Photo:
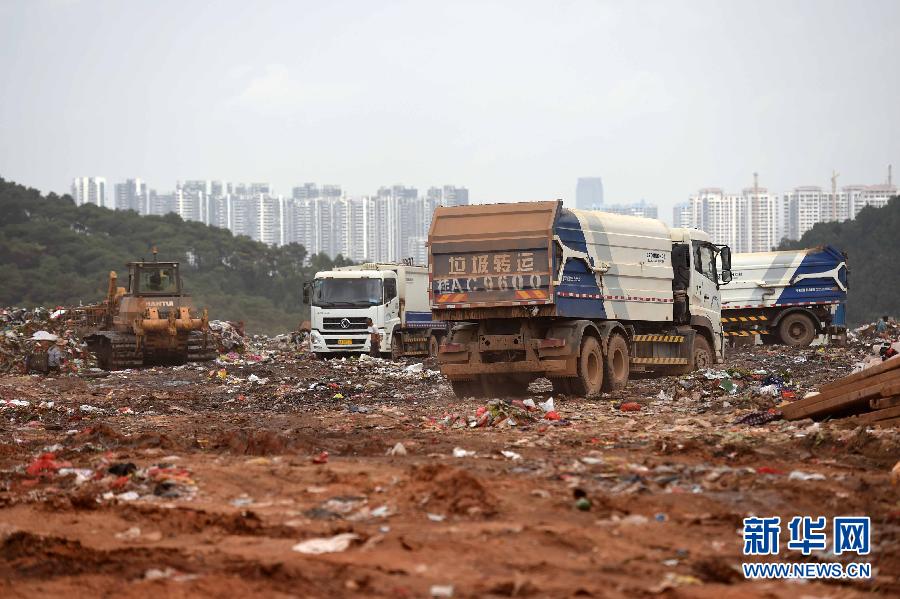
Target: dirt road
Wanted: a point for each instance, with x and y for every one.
(206, 481)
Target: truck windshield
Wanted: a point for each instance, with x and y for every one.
(346, 293)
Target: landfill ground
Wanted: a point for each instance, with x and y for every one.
(187, 481)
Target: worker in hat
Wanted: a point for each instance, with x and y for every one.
(56, 355)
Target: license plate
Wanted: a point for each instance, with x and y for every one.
(345, 341)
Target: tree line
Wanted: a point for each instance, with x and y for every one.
(54, 253)
(870, 241)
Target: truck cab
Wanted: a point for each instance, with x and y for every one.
(696, 272)
(394, 296)
(342, 300)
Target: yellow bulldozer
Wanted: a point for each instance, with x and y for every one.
(151, 321)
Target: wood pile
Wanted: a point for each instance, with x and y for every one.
(871, 395)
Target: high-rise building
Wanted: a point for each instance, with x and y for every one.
(722, 216)
(90, 190)
(682, 216)
(131, 195)
(454, 196)
(589, 193)
(804, 207)
(760, 219)
(870, 195)
(448, 195)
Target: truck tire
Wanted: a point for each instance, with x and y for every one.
(434, 346)
(797, 330)
(701, 354)
(589, 382)
(617, 364)
(396, 346)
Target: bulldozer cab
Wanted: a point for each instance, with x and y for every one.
(154, 279)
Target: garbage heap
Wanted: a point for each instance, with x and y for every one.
(39, 339)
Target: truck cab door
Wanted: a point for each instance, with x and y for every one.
(391, 305)
(704, 289)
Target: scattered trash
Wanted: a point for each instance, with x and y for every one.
(445, 590)
(459, 452)
(333, 544)
(800, 475)
(398, 449)
(630, 406)
(321, 458)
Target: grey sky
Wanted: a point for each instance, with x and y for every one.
(513, 99)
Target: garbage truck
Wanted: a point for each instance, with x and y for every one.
(583, 298)
(394, 296)
(788, 297)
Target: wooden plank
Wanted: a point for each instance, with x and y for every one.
(884, 403)
(885, 366)
(880, 415)
(886, 377)
(889, 423)
(879, 386)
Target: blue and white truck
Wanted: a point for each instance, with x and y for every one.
(393, 296)
(788, 297)
(581, 297)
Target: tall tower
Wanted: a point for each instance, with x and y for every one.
(834, 198)
(589, 193)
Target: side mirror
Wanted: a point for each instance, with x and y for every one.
(306, 290)
(725, 256)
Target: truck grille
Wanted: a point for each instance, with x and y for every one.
(354, 323)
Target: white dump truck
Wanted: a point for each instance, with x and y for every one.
(393, 296)
(787, 297)
(584, 298)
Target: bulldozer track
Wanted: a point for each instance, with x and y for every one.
(123, 354)
(196, 351)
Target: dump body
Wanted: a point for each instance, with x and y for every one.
(770, 286)
(393, 296)
(514, 274)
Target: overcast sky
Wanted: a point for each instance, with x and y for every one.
(514, 100)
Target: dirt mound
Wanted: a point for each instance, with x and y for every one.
(26, 555)
(439, 488)
(107, 436)
(253, 442)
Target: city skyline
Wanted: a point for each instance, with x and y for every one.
(396, 93)
(390, 225)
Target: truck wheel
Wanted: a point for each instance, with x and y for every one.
(701, 354)
(617, 364)
(589, 381)
(433, 346)
(797, 330)
(396, 346)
